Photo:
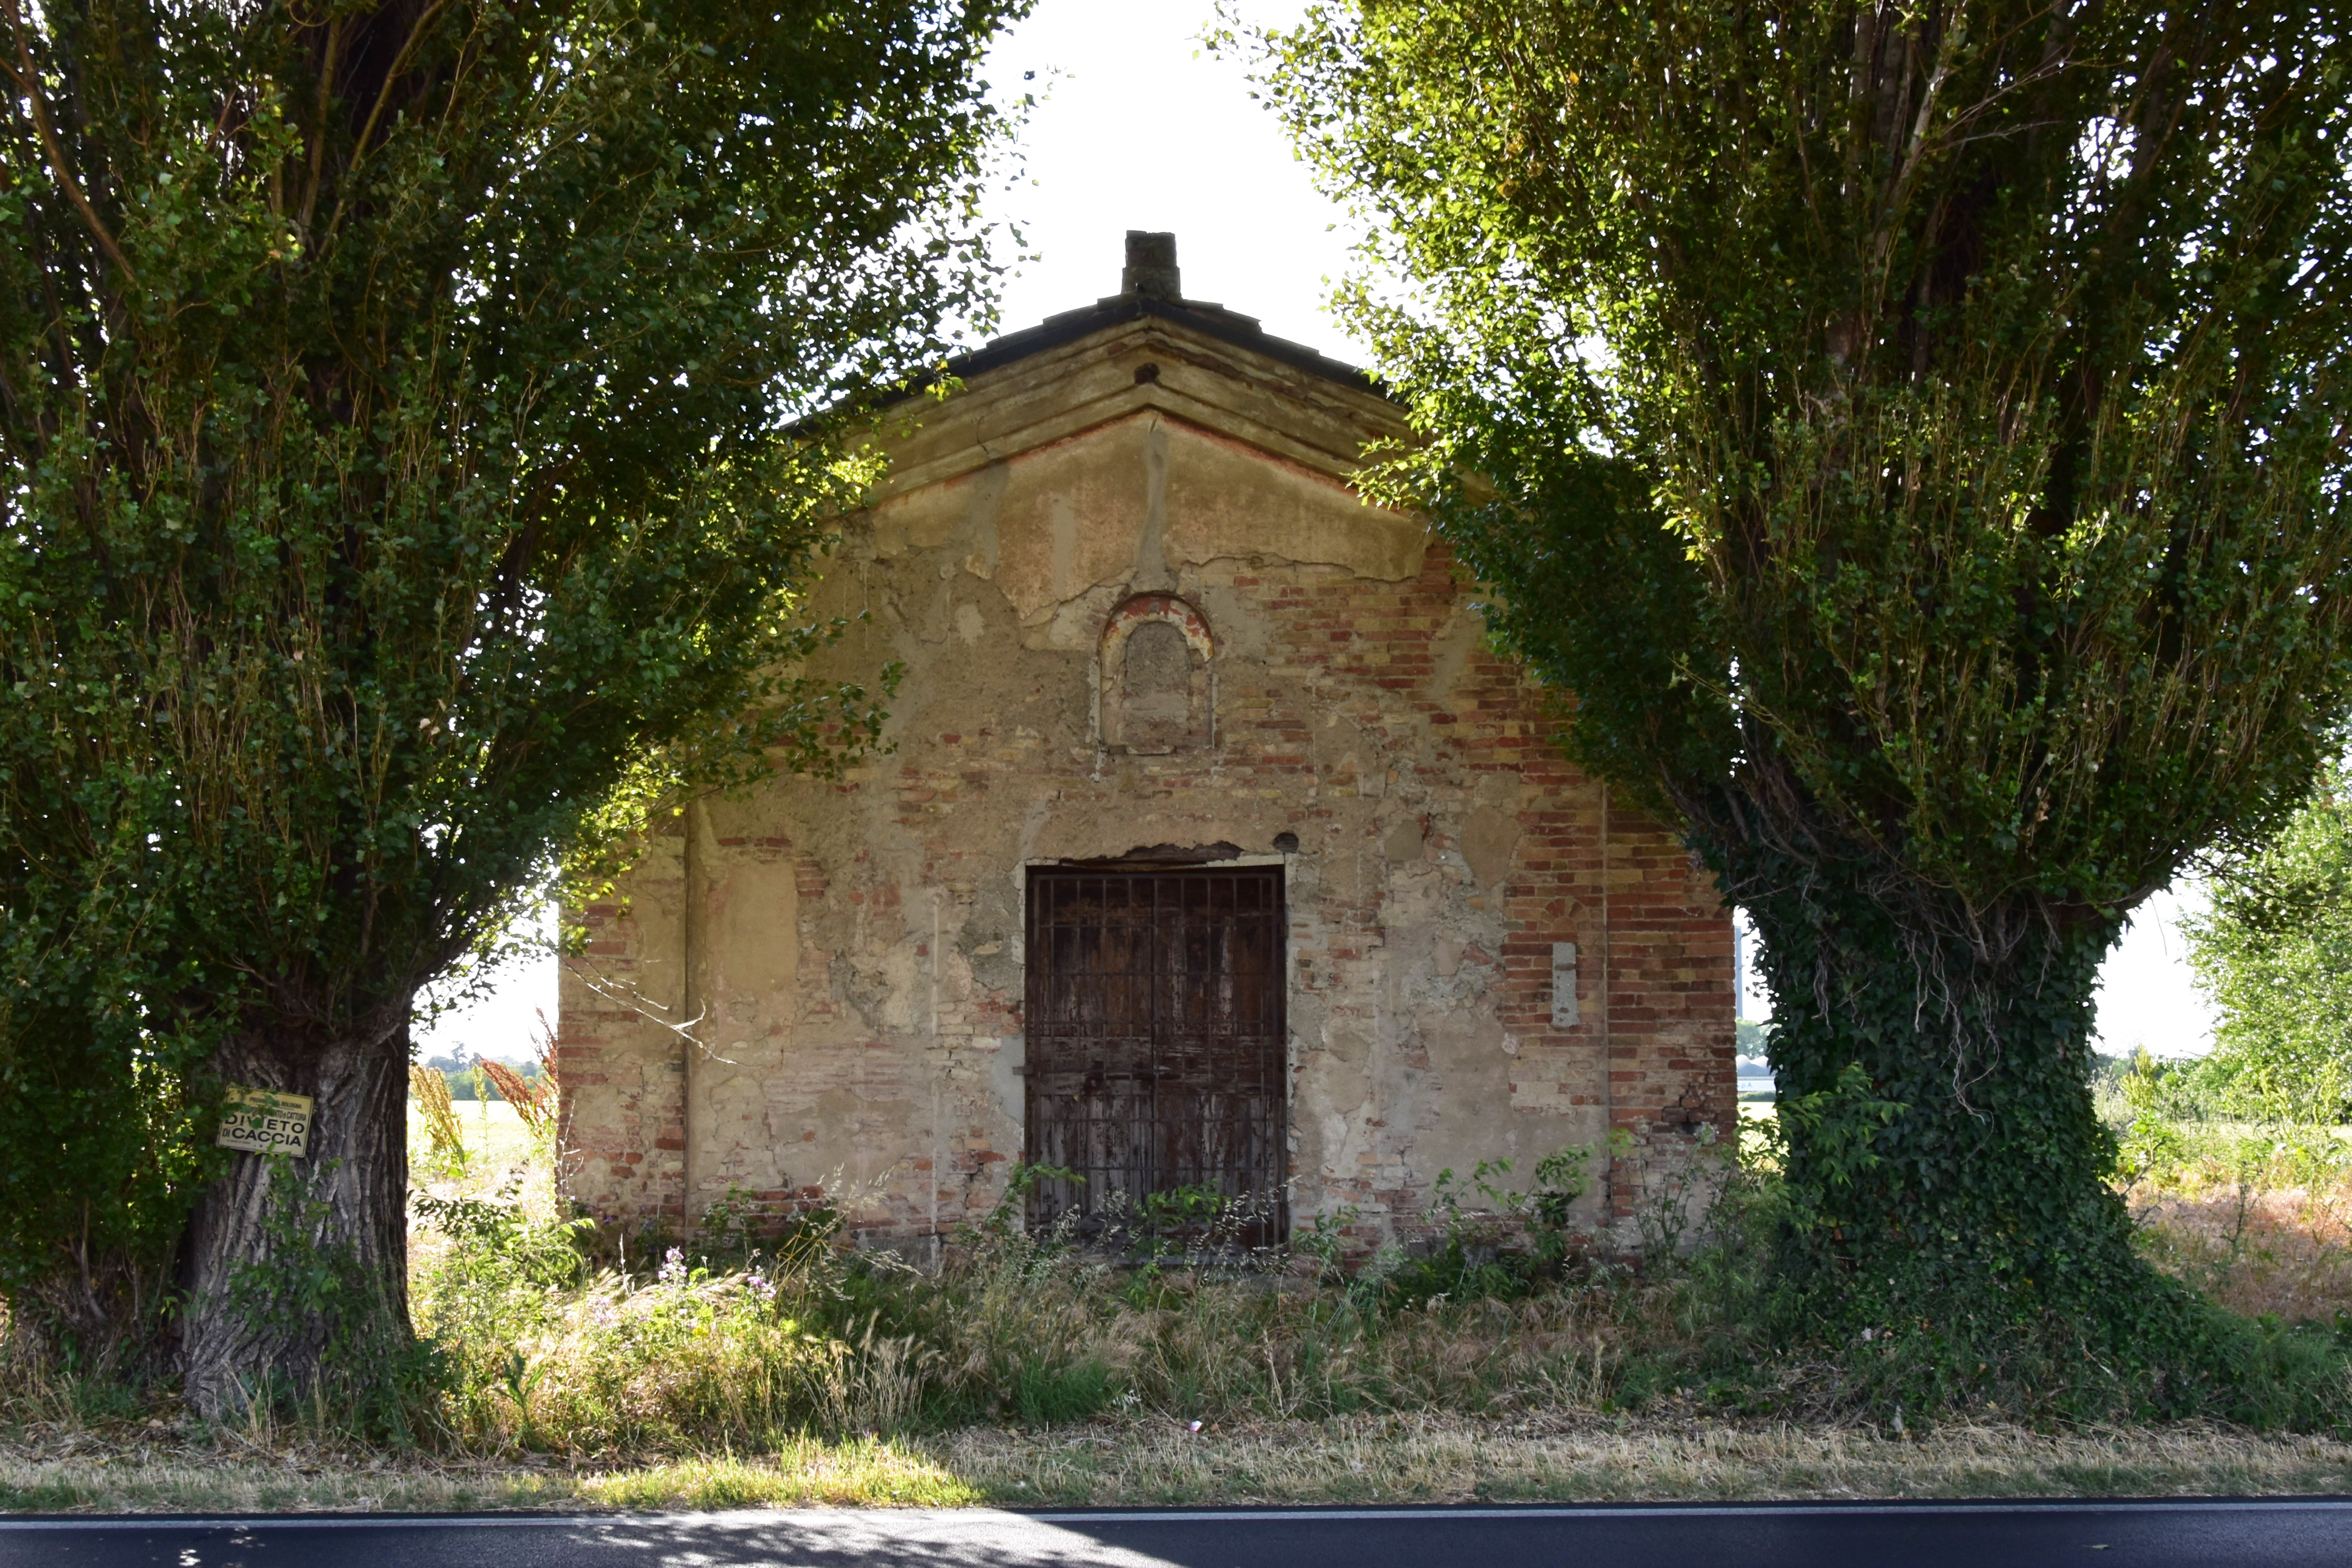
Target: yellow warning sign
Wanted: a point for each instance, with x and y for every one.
(264, 1122)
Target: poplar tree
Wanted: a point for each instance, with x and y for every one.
(415, 416)
(1915, 434)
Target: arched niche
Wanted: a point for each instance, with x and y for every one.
(1154, 665)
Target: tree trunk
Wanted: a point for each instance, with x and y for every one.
(296, 1268)
(1976, 1022)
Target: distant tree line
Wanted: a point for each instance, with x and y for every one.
(467, 1081)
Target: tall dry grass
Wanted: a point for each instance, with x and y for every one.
(445, 1139)
(534, 1099)
(2275, 1252)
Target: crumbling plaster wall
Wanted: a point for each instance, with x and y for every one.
(856, 982)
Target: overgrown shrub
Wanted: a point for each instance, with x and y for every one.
(802, 1333)
(741, 1337)
(745, 1340)
(103, 1114)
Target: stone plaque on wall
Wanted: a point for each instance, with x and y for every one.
(1155, 689)
(1563, 985)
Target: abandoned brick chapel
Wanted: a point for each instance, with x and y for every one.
(1215, 848)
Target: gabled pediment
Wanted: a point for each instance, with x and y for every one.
(1130, 354)
(1128, 447)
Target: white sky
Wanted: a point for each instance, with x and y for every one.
(1140, 127)
(2145, 994)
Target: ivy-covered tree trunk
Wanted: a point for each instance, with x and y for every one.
(1934, 1066)
(295, 1266)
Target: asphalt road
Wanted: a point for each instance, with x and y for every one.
(2224, 1534)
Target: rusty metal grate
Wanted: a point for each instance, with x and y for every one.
(1155, 1040)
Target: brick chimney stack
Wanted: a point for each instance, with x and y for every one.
(1150, 270)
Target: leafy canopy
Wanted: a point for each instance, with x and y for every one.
(415, 456)
(1919, 424)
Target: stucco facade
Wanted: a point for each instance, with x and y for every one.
(1145, 619)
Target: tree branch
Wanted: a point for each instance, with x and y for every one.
(28, 82)
(383, 98)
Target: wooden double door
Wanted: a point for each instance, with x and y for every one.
(1155, 1034)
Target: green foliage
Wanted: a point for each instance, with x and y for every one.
(1948, 398)
(2275, 954)
(1501, 1250)
(1046, 1396)
(2187, 1126)
(102, 1135)
(1169, 1218)
(1898, 1343)
(500, 1235)
(310, 1289)
(1839, 1130)
(1024, 1178)
(417, 474)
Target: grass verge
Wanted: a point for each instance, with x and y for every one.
(1417, 1458)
